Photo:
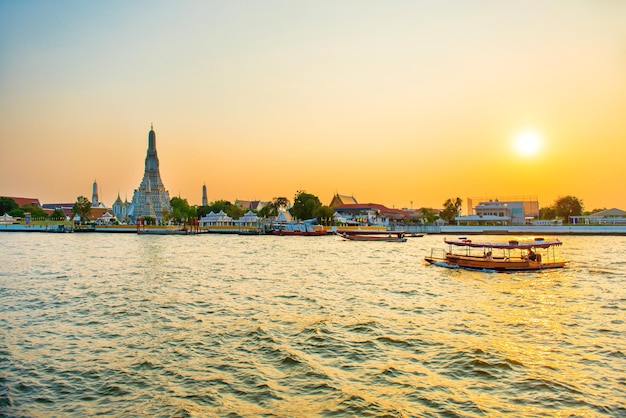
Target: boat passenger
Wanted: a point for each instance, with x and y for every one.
(531, 255)
(488, 256)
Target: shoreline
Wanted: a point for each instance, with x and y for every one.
(589, 230)
(585, 230)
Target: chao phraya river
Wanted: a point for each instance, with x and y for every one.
(127, 325)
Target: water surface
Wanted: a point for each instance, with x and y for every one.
(210, 325)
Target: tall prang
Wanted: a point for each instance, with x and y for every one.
(151, 198)
(94, 195)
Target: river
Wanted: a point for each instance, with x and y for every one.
(228, 325)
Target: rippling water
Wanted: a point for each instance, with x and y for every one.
(303, 326)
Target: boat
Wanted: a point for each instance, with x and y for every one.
(59, 228)
(299, 232)
(512, 255)
(85, 228)
(304, 228)
(380, 236)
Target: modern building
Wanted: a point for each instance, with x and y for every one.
(205, 201)
(501, 212)
(151, 198)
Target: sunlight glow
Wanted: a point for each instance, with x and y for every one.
(527, 143)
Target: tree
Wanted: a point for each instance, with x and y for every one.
(7, 204)
(596, 210)
(182, 210)
(451, 209)
(274, 206)
(82, 208)
(203, 210)
(324, 214)
(547, 213)
(235, 211)
(568, 206)
(166, 215)
(16, 213)
(35, 211)
(57, 214)
(428, 216)
(305, 205)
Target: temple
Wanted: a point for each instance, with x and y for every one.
(205, 201)
(151, 198)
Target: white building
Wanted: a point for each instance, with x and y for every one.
(497, 212)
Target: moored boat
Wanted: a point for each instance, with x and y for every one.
(514, 255)
(305, 228)
(380, 236)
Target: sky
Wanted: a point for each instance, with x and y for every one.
(402, 103)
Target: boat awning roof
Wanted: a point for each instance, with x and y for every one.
(537, 243)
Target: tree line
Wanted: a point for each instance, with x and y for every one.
(305, 206)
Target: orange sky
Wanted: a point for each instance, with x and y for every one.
(403, 103)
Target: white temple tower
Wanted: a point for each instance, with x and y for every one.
(151, 198)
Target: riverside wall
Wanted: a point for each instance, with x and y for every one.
(542, 230)
(534, 230)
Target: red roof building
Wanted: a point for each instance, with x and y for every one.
(21, 201)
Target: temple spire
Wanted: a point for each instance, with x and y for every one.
(151, 198)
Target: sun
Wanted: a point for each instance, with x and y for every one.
(527, 143)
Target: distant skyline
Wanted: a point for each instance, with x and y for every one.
(403, 103)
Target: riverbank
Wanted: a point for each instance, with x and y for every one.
(547, 230)
(534, 230)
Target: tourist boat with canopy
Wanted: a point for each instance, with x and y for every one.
(513, 255)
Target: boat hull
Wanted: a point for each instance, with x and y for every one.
(476, 263)
(374, 237)
(314, 233)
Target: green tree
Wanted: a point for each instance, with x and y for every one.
(7, 204)
(82, 208)
(182, 210)
(274, 206)
(451, 209)
(35, 211)
(547, 213)
(305, 205)
(217, 206)
(568, 206)
(57, 214)
(203, 210)
(324, 214)
(234, 211)
(428, 216)
(166, 214)
(16, 213)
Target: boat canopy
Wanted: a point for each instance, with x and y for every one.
(512, 244)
